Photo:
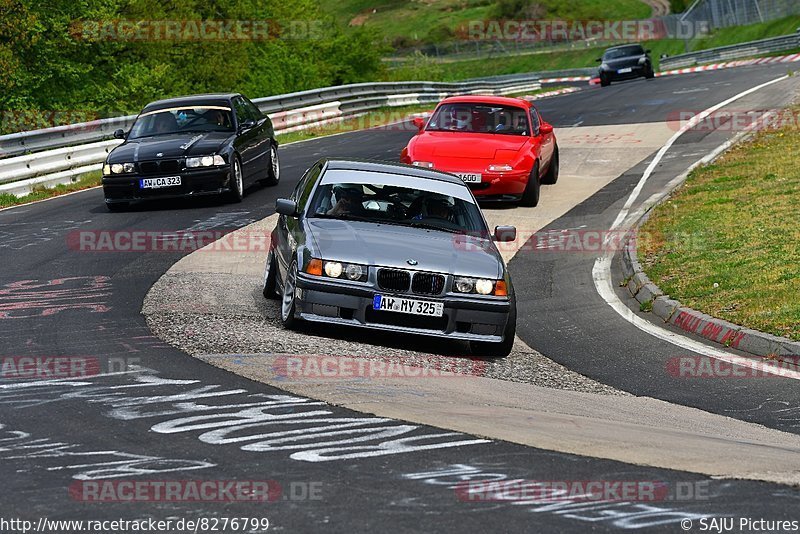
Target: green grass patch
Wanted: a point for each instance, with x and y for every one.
(85, 181)
(406, 22)
(728, 243)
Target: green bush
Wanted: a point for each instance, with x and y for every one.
(47, 65)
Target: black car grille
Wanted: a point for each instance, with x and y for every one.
(394, 280)
(160, 167)
(427, 284)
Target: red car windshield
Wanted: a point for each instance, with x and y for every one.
(480, 118)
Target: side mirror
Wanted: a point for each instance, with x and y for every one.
(648, 51)
(419, 122)
(599, 60)
(246, 125)
(287, 207)
(545, 128)
(119, 134)
(505, 234)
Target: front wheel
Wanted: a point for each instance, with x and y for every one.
(552, 172)
(604, 82)
(530, 198)
(288, 298)
(486, 349)
(270, 290)
(274, 169)
(236, 193)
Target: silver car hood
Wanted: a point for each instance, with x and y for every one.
(393, 246)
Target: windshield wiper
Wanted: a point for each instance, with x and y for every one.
(431, 226)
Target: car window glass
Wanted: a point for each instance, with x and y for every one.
(626, 51)
(242, 111)
(480, 118)
(186, 119)
(396, 205)
(255, 113)
(308, 186)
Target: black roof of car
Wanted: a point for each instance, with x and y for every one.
(390, 168)
(214, 99)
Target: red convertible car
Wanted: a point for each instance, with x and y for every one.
(501, 147)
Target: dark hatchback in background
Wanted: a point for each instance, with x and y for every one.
(625, 62)
(191, 146)
(394, 248)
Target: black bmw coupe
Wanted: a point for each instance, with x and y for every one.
(214, 144)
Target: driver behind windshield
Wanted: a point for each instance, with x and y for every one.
(349, 201)
(165, 123)
(436, 208)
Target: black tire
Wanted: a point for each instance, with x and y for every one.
(604, 82)
(530, 198)
(288, 296)
(117, 206)
(236, 193)
(270, 290)
(552, 172)
(650, 74)
(486, 349)
(273, 168)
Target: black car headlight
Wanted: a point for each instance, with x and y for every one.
(118, 168)
(205, 161)
(345, 271)
(481, 286)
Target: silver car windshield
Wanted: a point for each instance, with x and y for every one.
(397, 205)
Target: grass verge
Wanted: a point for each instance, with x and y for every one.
(429, 68)
(728, 243)
(85, 181)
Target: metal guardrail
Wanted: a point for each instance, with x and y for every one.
(61, 154)
(738, 51)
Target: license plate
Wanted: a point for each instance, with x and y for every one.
(155, 183)
(409, 306)
(470, 177)
(625, 71)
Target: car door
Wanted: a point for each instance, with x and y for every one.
(289, 230)
(246, 143)
(545, 141)
(264, 135)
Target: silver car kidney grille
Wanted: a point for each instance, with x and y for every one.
(402, 281)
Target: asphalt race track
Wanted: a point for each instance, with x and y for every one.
(150, 411)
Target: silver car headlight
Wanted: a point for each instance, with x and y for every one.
(118, 168)
(345, 271)
(205, 161)
(481, 286)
